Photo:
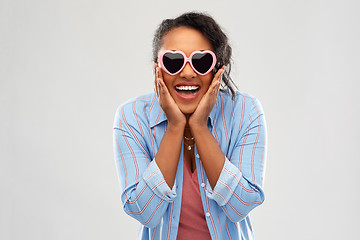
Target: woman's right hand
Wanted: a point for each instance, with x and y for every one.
(175, 117)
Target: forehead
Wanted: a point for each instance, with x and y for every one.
(185, 39)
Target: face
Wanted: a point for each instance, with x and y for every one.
(187, 87)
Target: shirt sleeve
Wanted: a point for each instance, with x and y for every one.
(239, 187)
(145, 194)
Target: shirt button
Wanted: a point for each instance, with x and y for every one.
(202, 184)
(197, 156)
(207, 214)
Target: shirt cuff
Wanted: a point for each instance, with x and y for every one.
(155, 180)
(226, 184)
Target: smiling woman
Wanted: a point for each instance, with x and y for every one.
(187, 86)
(191, 156)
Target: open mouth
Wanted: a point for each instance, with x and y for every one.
(187, 90)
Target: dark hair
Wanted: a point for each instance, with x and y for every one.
(211, 30)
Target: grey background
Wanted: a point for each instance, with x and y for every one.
(65, 65)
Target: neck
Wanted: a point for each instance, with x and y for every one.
(187, 130)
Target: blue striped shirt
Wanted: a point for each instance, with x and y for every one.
(238, 125)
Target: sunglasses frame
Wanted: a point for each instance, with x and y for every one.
(186, 60)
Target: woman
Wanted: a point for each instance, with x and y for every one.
(190, 156)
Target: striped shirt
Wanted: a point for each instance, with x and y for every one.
(238, 125)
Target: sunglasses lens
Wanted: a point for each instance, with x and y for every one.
(173, 61)
(202, 62)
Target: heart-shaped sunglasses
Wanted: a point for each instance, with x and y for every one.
(173, 62)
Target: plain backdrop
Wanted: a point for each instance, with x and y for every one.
(65, 66)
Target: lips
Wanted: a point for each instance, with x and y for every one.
(187, 91)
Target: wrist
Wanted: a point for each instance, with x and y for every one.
(198, 128)
(195, 123)
(177, 128)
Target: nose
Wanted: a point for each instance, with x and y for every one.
(188, 72)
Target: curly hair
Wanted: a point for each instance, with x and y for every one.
(211, 30)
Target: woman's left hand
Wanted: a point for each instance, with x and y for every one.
(200, 116)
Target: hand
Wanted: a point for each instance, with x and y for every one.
(174, 115)
(200, 117)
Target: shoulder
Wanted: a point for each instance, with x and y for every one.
(137, 103)
(238, 112)
(240, 101)
(241, 109)
(134, 109)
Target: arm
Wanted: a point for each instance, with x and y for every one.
(238, 188)
(145, 194)
(234, 184)
(210, 153)
(168, 155)
(147, 183)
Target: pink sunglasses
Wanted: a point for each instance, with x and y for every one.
(173, 62)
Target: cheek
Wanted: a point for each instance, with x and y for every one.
(207, 80)
(168, 80)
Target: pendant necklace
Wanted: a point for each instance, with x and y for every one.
(189, 147)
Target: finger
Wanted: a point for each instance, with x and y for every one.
(155, 66)
(217, 79)
(162, 83)
(157, 82)
(216, 88)
(218, 75)
(163, 86)
(160, 75)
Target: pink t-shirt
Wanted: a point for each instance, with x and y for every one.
(192, 223)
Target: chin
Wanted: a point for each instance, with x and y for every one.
(187, 110)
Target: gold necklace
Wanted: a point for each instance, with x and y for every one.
(189, 146)
(189, 139)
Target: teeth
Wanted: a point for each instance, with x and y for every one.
(186, 88)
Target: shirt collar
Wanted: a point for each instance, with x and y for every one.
(157, 115)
